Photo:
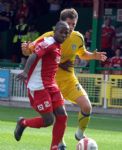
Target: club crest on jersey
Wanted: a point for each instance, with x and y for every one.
(78, 87)
(74, 46)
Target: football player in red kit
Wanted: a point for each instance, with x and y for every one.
(43, 92)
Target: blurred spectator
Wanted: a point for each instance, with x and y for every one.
(80, 63)
(23, 10)
(116, 62)
(54, 5)
(87, 38)
(108, 38)
(20, 32)
(119, 34)
(120, 46)
(6, 15)
(14, 7)
(84, 63)
(2, 7)
(106, 66)
(32, 33)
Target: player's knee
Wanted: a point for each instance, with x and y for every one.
(87, 108)
(65, 118)
(84, 104)
(48, 120)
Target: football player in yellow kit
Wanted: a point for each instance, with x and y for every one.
(66, 79)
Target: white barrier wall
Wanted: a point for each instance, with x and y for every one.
(103, 90)
(18, 89)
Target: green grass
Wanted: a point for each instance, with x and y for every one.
(106, 130)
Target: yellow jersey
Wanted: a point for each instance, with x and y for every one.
(72, 46)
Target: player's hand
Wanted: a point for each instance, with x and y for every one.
(25, 49)
(66, 65)
(100, 56)
(22, 76)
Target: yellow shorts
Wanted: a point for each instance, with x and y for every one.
(71, 89)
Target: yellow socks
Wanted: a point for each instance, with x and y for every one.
(83, 120)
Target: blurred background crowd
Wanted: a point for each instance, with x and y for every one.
(25, 20)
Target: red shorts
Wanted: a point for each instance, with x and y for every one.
(44, 101)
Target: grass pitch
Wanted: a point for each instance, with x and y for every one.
(106, 130)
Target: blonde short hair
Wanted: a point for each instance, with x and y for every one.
(68, 13)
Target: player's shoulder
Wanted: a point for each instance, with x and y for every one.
(46, 42)
(77, 34)
(49, 40)
(49, 33)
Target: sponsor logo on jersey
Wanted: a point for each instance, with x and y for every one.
(74, 46)
(47, 104)
(40, 107)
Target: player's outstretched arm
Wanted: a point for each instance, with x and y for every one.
(100, 56)
(94, 56)
(28, 47)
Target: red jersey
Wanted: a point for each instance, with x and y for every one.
(42, 73)
(116, 61)
(108, 33)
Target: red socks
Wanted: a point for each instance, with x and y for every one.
(33, 123)
(58, 128)
(58, 131)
